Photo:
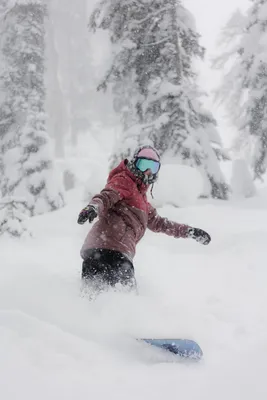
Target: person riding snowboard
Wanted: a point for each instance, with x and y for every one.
(124, 214)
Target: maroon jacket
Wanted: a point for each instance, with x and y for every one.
(124, 214)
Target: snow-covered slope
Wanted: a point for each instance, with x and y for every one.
(55, 344)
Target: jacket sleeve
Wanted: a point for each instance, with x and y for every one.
(111, 194)
(156, 223)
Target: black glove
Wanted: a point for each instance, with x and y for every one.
(199, 235)
(88, 213)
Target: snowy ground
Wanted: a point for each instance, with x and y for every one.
(54, 344)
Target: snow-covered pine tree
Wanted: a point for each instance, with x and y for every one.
(155, 43)
(241, 182)
(179, 126)
(256, 82)
(27, 166)
(219, 187)
(210, 126)
(126, 70)
(12, 217)
(244, 89)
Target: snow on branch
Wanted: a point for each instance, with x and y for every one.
(157, 43)
(12, 217)
(151, 15)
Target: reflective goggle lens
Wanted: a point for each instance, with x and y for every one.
(144, 164)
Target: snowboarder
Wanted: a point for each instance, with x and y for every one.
(124, 214)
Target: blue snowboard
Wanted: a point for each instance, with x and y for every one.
(182, 347)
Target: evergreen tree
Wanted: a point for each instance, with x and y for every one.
(256, 104)
(241, 182)
(12, 217)
(153, 80)
(209, 124)
(244, 90)
(26, 167)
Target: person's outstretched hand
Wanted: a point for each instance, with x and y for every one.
(199, 235)
(88, 213)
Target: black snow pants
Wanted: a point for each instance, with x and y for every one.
(103, 267)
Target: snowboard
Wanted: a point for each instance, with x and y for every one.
(184, 348)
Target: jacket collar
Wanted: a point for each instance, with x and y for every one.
(122, 168)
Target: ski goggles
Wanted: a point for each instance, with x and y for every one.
(143, 164)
